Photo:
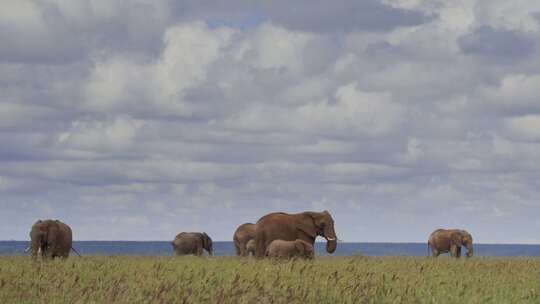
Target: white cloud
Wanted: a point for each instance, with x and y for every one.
(13, 114)
(515, 90)
(524, 127)
(511, 15)
(21, 14)
(275, 47)
(116, 84)
(373, 114)
(358, 172)
(116, 135)
(190, 49)
(133, 120)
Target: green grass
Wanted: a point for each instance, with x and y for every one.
(124, 279)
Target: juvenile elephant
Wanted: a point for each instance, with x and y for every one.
(450, 240)
(305, 226)
(250, 247)
(243, 234)
(192, 243)
(289, 249)
(50, 239)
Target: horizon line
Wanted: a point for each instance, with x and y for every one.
(366, 242)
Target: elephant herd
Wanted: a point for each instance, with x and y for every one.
(284, 235)
(276, 235)
(279, 235)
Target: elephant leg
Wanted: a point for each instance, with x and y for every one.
(453, 251)
(434, 252)
(43, 252)
(243, 249)
(260, 245)
(458, 252)
(199, 251)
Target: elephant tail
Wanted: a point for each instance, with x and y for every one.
(428, 245)
(76, 252)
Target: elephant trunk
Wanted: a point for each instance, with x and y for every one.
(469, 247)
(331, 245)
(35, 248)
(331, 238)
(38, 245)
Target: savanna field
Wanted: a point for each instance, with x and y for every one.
(357, 279)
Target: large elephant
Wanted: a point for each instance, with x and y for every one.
(192, 243)
(289, 249)
(50, 239)
(450, 240)
(305, 226)
(243, 234)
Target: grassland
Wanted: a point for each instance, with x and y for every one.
(123, 279)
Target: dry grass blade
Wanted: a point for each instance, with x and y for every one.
(131, 279)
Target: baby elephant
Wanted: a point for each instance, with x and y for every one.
(290, 249)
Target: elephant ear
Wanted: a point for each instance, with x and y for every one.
(205, 239)
(456, 238)
(36, 224)
(307, 224)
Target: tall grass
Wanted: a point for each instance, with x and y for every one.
(128, 279)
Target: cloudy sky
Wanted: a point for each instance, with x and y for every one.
(134, 120)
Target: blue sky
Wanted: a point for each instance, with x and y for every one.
(134, 120)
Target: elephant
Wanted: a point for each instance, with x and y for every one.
(50, 239)
(305, 226)
(243, 234)
(192, 243)
(250, 247)
(450, 240)
(289, 249)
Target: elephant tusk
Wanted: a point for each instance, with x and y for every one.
(39, 250)
(330, 239)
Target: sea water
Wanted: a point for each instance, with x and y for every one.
(227, 248)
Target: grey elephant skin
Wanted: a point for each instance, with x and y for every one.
(192, 243)
(50, 239)
(290, 249)
(450, 240)
(243, 234)
(305, 226)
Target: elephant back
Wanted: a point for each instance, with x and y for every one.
(272, 216)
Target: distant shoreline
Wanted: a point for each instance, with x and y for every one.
(318, 242)
(226, 248)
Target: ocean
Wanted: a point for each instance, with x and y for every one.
(227, 248)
